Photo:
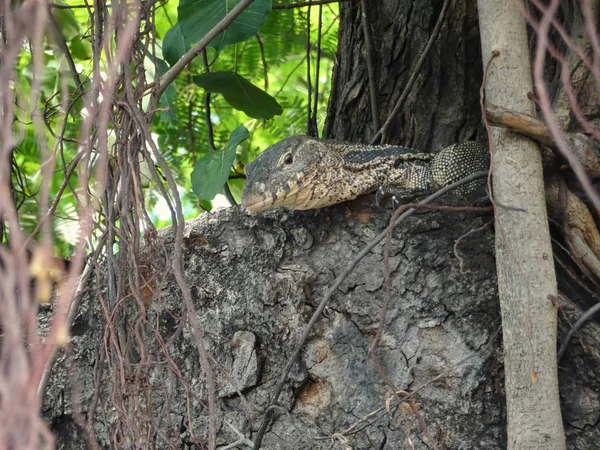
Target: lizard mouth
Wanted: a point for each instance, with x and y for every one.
(257, 203)
(287, 196)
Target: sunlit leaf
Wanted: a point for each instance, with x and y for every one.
(206, 205)
(80, 49)
(236, 186)
(212, 170)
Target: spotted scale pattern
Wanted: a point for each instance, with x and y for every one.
(458, 161)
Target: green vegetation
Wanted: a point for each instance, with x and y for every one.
(256, 77)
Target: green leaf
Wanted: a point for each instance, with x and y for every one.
(206, 205)
(167, 100)
(240, 93)
(174, 46)
(197, 17)
(212, 171)
(236, 187)
(80, 49)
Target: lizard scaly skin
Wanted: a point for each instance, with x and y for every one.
(306, 173)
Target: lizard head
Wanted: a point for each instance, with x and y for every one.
(281, 175)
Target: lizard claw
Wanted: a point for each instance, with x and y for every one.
(379, 196)
(395, 203)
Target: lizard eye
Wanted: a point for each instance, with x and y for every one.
(288, 159)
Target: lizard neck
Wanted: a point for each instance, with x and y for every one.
(401, 171)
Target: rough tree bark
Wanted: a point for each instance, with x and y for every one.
(442, 107)
(256, 281)
(526, 276)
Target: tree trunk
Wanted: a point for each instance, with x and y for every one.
(442, 107)
(526, 277)
(256, 279)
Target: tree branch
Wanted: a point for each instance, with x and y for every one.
(526, 276)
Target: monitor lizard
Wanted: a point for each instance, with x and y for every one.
(301, 172)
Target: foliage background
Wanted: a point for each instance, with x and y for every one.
(274, 60)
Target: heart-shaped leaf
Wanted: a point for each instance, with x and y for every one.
(240, 93)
